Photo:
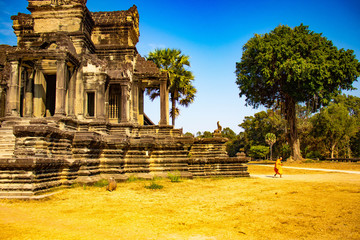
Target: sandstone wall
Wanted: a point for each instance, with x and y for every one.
(50, 154)
(41, 161)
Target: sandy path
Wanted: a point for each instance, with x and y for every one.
(314, 169)
(324, 175)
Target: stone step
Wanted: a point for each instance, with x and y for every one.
(7, 146)
(7, 138)
(8, 131)
(6, 143)
(6, 134)
(8, 150)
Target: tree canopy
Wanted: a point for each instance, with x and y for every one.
(258, 151)
(258, 126)
(294, 65)
(181, 88)
(337, 124)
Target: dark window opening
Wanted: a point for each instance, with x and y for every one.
(50, 95)
(22, 92)
(91, 104)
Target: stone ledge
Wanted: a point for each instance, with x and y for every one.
(41, 130)
(21, 196)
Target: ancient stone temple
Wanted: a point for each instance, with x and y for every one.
(72, 105)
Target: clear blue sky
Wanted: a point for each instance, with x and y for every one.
(213, 33)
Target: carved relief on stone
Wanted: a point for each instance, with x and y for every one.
(67, 2)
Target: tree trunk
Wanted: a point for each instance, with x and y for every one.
(290, 116)
(348, 147)
(332, 150)
(173, 109)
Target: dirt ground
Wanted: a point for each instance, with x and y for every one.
(301, 205)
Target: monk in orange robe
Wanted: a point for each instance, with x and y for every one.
(278, 167)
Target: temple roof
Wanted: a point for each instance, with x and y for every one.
(60, 2)
(122, 71)
(115, 17)
(147, 70)
(23, 19)
(54, 42)
(5, 66)
(3, 50)
(145, 67)
(94, 60)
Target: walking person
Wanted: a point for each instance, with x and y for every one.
(278, 167)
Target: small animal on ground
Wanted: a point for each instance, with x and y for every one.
(112, 185)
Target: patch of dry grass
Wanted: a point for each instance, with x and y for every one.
(235, 208)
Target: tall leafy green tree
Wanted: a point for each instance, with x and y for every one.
(234, 141)
(205, 134)
(228, 133)
(290, 66)
(258, 151)
(181, 88)
(352, 103)
(236, 145)
(256, 127)
(335, 125)
(355, 144)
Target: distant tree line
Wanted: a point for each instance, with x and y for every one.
(332, 132)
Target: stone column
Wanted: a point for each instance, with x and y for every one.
(79, 98)
(60, 88)
(164, 103)
(107, 92)
(141, 106)
(71, 96)
(124, 104)
(135, 103)
(2, 102)
(100, 98)
(29, 94)
(39, 107)
(13, 94)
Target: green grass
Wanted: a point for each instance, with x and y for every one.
(174, 176)
(154, 186)
(133, 179)
(101, 183)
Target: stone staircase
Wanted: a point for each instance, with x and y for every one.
(7, 143)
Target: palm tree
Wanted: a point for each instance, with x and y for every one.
(181, 89)
(270, 139)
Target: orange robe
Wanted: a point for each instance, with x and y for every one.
(278, 167)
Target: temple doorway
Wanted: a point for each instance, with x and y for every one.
(114, 108)
(50, 95)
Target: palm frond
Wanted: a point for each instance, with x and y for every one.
(176, 65)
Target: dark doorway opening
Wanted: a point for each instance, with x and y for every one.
(114, 108)
(50, 95)
(91, 104)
